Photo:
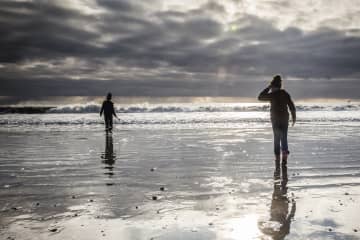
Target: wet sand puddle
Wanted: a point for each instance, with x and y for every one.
(179, 184)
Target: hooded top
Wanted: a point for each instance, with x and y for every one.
(280, 101)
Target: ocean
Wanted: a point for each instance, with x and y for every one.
(179, 171)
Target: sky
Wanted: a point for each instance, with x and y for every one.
(163, 48)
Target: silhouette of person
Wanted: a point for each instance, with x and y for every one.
(280, 101)
(279, 210)
(108, 157)
(108, 109)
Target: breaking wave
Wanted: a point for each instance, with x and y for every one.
(152, 108)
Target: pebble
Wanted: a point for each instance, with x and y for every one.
(136, 207)
(53, 229)
(73, 197)
(355, 230)
(330, 230)
(162, 188)
(152, 169)
(347, 193)
(37, 204)
(14, 208)
(91, 200)
(154, 197)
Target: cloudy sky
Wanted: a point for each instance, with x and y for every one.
(179, 48)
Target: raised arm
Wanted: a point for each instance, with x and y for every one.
(292, 109)
(265, 95)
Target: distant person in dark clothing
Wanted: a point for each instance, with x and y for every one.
(280, 101)
(108, 109)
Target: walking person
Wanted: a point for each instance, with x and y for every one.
(108, 109)
(280, 102)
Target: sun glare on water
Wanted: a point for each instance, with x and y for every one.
(244, 228)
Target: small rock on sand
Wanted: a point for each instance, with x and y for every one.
(53, 229)
(162, 188)
(154, 197)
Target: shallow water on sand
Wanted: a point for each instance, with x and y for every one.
(180, 183)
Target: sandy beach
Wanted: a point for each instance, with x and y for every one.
(178, 181)
(194, 92)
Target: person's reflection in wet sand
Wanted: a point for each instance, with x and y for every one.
(108, 157)
(279, 210)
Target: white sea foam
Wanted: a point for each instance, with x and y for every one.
(191, 107)
(229, 114)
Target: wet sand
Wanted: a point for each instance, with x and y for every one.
(179, 183)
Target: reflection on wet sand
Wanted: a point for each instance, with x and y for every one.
(108, 156)
(280, 218)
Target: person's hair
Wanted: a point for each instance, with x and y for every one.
(108, 96)
(276, 82)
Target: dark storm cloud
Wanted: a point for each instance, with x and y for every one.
(41, 30)
(146, 51)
